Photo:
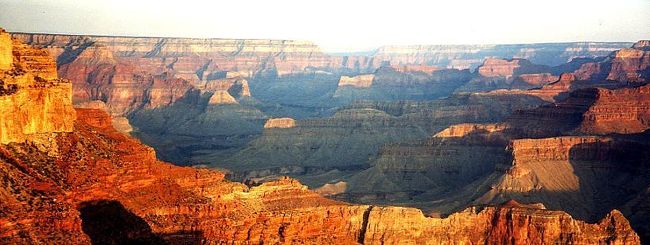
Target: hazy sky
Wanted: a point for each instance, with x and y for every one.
(341, 25)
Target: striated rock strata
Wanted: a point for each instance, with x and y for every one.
(32, 100)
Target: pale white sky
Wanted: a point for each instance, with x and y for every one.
(341, 25)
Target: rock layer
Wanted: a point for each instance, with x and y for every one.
(32, 100)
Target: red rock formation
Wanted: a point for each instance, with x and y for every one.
(627, 65)
(507, 68)
(462, 130)
(630, 65)
(221, 98)
(621, 111)
(533, 80)
(591, 111)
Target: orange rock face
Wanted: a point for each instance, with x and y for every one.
(360, 81)
(32, 100)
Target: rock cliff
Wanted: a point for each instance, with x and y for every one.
(590, 111)
(33, 101)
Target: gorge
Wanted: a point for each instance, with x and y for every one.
(275, 141)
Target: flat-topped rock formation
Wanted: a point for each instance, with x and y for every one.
(496, 74)
(506, 68)
(359, 81)
(428, 69)
(284, 122)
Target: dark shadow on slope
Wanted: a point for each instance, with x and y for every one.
(109, 222)
(620, 171)
(193, 125)
(553, 119)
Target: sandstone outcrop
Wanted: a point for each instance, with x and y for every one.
(620, 111)
(506, 68)
(359, 81)
(221, 97)
(119, 123)
(284, 122)
(151, 201)
(630, 65)
(496, 74)
(32, 100)
(119, 70)
(627, 65)
(462, 130)
(525, 81)
(416, 68)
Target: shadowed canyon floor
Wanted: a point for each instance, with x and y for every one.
(491, 147)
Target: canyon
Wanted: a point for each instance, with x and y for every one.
(92, 184)
(429, 144)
